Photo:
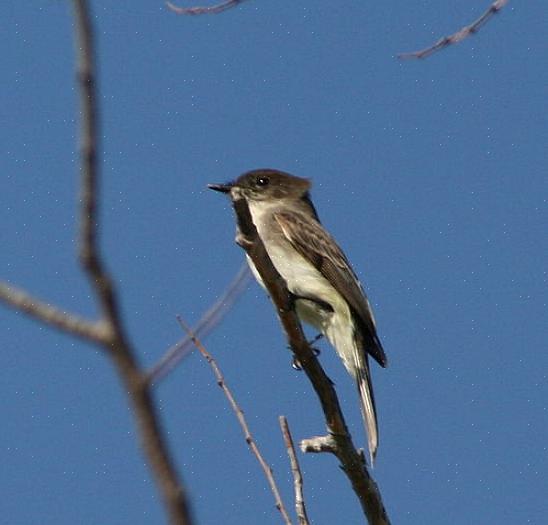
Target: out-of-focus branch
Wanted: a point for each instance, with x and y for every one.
(90, 255)
(96, 332)
(300, 507)
(352, 461)
(109, 331)
(211, 10)
(463, 33)
(121, 351)
(241, 419)
(207, 323)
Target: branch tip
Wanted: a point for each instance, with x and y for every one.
(202, 10)
(267, 470)
(458, 36)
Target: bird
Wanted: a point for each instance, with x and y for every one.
(328, 295)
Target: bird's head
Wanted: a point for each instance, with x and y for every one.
(263, 184)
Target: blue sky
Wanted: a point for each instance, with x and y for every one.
(431, 175)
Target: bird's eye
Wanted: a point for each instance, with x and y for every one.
(262, 181)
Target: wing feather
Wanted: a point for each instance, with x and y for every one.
(315, 244)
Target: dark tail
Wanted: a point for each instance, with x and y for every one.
(367, 404)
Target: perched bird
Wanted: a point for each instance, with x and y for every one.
(327, 292)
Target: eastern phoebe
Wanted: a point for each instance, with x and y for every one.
(327, 292)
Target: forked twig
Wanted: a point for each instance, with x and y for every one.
(300, 507)
(197, 10)
(241, 419)
(108, 332)
(463, 33)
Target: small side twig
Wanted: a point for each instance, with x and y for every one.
(300, 507)
(96, 332)
(460, 35)
(241, 419)
(197, 10)
(318, 444)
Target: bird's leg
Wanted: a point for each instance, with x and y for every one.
(315, 340)
(295, 363)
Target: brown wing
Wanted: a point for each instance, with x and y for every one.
(316, 245)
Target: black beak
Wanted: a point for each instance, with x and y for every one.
(223, 188)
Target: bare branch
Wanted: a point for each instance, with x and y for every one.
(300, 507)
(352, 461)
(90, 255)
(241, 419)
(207, 323)
(107, 332)
(463, 33)
(150, 432)
(152, 438)
(50, 315)
(212, 10)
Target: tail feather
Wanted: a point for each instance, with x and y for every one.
(353, 348)
(367, 405)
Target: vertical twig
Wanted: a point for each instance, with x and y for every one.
(300, 507)
(151, 436)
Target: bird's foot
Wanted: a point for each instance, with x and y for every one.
(295, 363)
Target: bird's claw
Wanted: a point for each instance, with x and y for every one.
(296, 364)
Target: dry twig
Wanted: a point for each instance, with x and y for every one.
(338, 438)
(205, 325)
(241, 419)
(300, 507)
(212, 10)
(463, 33)
(151, 436)
(96, 332)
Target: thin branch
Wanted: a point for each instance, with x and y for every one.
(212, 10)
(96, 332)
(152, 439)
(150, 432)
(352, 461)
(207, 323)
(463, 33)
(107, 332)
(300, 507)
(241, 419)
(90, 255)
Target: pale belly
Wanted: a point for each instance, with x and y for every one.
(311, 290)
